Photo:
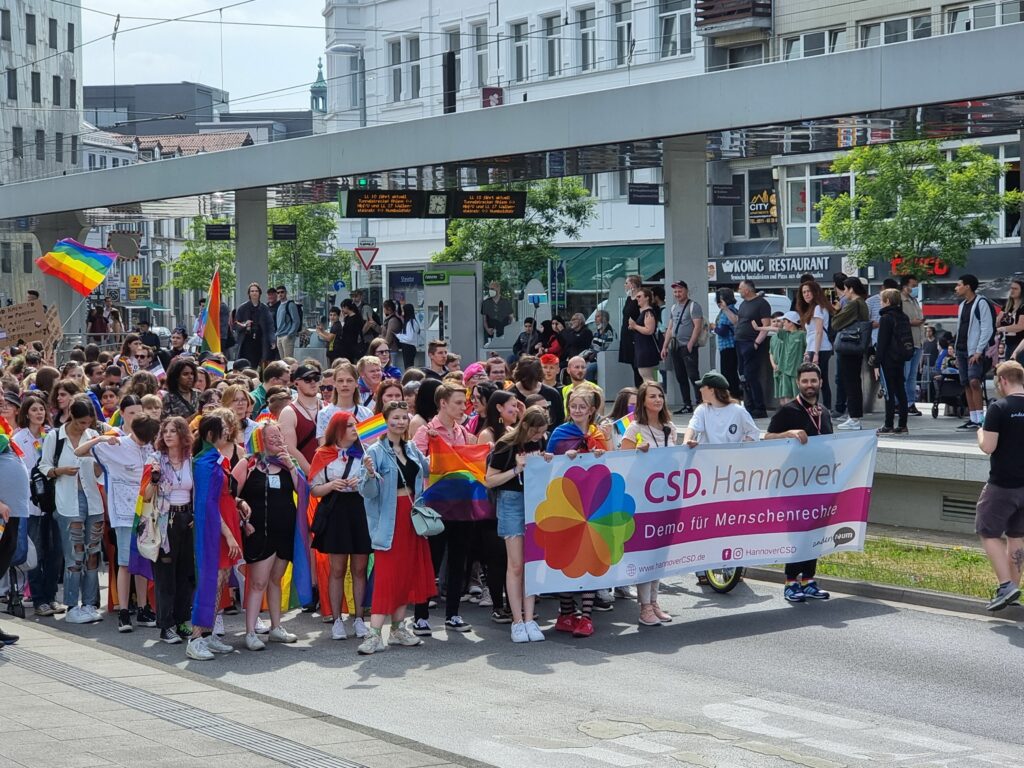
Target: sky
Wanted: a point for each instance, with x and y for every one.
(256, 59)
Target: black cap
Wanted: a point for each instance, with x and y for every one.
(303, 371)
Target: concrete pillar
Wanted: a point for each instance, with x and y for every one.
(686, 227)
(250, 242)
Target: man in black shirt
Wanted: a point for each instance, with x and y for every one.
(799, 419)
(1001, 504)
(751, 346)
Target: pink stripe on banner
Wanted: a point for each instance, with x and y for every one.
(783, 514)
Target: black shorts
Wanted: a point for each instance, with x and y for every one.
(1000, 511)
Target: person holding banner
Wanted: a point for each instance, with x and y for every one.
(505, 466)
(652, 426)
(578, 435)
(799, 419)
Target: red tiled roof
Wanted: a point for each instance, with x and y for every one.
(194, 143)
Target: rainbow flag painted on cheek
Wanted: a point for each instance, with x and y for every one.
(456, 490)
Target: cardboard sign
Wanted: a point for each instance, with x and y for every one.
(25, 321)
(54, 328)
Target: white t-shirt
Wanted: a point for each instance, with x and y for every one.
(723, 424)
(336, 470)
(324, 417)
(656, 435)
(122, 468)
(812, 331)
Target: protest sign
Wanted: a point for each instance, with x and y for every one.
(25, 321)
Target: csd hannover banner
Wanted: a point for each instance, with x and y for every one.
(628, 517)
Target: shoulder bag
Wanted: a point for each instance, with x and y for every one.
(425, 520)
(854, 339)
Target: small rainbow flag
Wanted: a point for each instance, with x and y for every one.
(158, 371)
(623, 424)
(264, 416)
(81, 267)
(372, 429)
(211, 317)
(457, 489)
(214, 368)
(255, 445)
(116, 420)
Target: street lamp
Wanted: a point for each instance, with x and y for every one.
(357, 50)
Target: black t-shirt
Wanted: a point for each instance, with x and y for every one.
(497, 313)
(752, 311)
(430, 373)
(796, 415)
(964, 327)
(334, 345)
(1006, 418)
(503, 458)
(556, 406)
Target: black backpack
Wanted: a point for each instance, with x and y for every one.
(43, 489)
(904, 338)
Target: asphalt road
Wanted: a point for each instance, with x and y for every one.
(736, 680)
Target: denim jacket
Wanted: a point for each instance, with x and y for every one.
(380, 490)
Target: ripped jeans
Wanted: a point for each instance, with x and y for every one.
(82, 536)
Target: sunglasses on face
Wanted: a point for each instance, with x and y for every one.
(327, 388)
(313, 378)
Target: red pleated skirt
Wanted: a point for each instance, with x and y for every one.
(403, 575)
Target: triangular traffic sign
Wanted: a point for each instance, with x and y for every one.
(366, 256)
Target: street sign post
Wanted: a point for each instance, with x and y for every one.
(366, 242)
(366, 256)
(339, 285)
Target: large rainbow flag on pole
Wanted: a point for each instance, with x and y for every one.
(211, 317)
(457, 490)
(81, 267)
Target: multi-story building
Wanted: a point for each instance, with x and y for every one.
(40, 111)
(531, 50)
(146, 109)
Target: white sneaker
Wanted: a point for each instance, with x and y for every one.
(262, 627)
(253, 642)
(850, 424)
(196, 649)
(485, 599)
(94, 612)
(218, 624)
(215, 644)
(403, 636)
(371, 645)
(533, 632)
(519, 634)
(281, 635)
(359, 627)
(338, 630)
(79, 615)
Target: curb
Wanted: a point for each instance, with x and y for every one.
(920, 597)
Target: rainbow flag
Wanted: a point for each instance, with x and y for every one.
(6, 433)
(264, 416)
(81, 267)
(116, 420)
(209, 472)
(372, 429)
(623, 424)
(456, 490)
(255, 444)
(214, 368)
(211, 318)
(137, 564)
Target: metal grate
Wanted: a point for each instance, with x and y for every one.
(278, 748)
(958, 509)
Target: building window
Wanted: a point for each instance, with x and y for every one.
(414, 67)
(745, 56)
(622, 182)
(984, 15)
(814, 43)
(898, 30)
(480, 53)
(5, 258)
(30, 29)
(74, 149)
(71, 37)
(806, 186)
(623, 15)
(37, 88)
(40, 145)
(395, 62)
(674, 20)
(91, 161)
(5, 25)
(103, 161)
(115, 162)
(58, 147)
(453, 37)
(17, 143)
(520, 52)
(56, 90)
(26, 258)
(73, 93)
(588, 38)
(12, 84)
(354, 80)
(552, 45)
(52, 37)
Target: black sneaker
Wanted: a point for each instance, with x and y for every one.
(184, 630)
(456, 624)
(7, 639)
(603, 605)
(145, 617)
(1005, 595)
(912, 410)
(501, 617)
(811, 591)
(124, 621)
(169, 636)
(684, 409)
(968, 426)
(884, 431)
(901, 431)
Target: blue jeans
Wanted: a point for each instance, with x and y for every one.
(81, 536)
(749, 363)
(45, 533)
(910, 371)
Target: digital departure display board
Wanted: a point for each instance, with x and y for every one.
(382, 204)
(487, 205)
(420, 204)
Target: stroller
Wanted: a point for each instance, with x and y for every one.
(947, 390)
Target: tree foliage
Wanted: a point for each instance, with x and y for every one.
(310, 263)
(194, 268)
(515, 250)
(913, 202)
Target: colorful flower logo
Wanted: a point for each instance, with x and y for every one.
(585, 520)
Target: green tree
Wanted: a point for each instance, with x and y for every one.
(310, 263)
(555, 208)
(913, 202)
(194, 268)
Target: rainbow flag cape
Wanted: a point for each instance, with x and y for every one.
(372, 429)
(81, 267)
(116, 420)
(6, 433)
(210, 322)
(137, 564)
(214, 368)
(456, 490)
(568, 437)
(210, 478)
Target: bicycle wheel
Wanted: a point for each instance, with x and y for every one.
(724, 579)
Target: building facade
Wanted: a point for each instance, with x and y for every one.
(40, 112)
(147, 109)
